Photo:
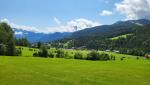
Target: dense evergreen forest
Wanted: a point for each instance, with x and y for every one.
(7, 41)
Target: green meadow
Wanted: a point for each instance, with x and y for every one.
(28, 70)
(121, 36)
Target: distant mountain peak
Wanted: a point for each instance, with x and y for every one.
(120, 27)
(140, 22)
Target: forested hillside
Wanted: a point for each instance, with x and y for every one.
(136, 41)
(116, 29)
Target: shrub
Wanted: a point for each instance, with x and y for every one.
(122, 58)
(60, 53)
(67, 56)
(51, 55)
(94, 55)
(78, 56)
(18, 52)
(43, 52)
(112, 57)
(20, 48)
(137, 58)
(35, 54)
(104, 56)
(136, 52)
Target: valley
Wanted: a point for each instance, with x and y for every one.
(116, 54)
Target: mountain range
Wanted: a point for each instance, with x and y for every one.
(42, 37)
(116, 29)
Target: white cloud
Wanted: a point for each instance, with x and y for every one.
(18, 33)
(71, 26)
(22, 27)
(134, 9)
(82, 23)
(57, 21)
(106, 13)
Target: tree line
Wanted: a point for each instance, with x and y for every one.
(60, 53)
(22, 42)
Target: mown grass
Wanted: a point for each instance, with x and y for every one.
(28, 70)
(27, 52)
(47, 71)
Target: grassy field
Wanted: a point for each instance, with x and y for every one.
(28, 52)
(28, 70)
(47, 71)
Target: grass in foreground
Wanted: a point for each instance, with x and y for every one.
(46, 71)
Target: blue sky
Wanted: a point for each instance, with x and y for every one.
(45, 13)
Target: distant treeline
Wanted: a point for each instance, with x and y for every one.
(60, 53)
(22, 42)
